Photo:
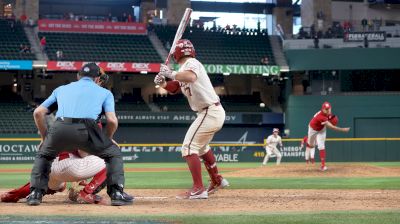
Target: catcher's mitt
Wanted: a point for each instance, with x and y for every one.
(73, 191)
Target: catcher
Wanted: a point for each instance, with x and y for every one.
(76, 166)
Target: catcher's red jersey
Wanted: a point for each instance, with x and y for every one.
(317, 120)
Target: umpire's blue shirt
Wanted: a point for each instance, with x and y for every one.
(81, 99)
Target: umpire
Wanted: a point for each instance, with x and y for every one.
(79, 104)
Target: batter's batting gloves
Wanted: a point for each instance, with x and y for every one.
(159, 79)
(167, 72)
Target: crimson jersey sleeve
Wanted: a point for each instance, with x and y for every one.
(317, 120)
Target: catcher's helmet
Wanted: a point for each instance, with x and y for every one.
(184, 48)
(90, 69)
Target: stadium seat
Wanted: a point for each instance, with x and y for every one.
(11, 39)
(101, 47)
(222, 48)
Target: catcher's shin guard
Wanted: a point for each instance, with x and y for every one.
(97, 183)
(16, 194)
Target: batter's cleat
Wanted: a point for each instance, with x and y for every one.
(119, 198)
(193, 194)
(34, 198)
(213, 187)
(324, 168)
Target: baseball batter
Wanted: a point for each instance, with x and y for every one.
(271, 149)
(192, 80)
(310, 152)
(317, 130)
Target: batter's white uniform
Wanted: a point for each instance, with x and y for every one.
(271, 149)
(74, 169)
(210, 114)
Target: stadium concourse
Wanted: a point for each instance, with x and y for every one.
(285, 68)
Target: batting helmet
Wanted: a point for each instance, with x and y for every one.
(334, 120)
(90, 69)
(183, 48)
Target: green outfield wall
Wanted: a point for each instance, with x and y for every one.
(23, 150)
(343, 59)
(368, 116)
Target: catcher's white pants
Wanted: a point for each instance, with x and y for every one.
(272, 150)
(310, 153)
(202, 130)
(74, 169)
(316, 137)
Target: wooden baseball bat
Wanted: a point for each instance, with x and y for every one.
(178, 35)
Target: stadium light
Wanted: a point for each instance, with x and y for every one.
(143, 72)
(226, 73)
(265, 74)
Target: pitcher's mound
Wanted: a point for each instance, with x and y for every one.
(304, 170)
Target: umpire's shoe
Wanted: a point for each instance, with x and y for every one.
(119, 197)
(35, 197)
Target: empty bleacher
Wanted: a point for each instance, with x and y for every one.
(131, 102)
(100, 47)
(11, 39)
(169, 102)
(15, 116)
(218, 47)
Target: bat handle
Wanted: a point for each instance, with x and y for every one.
(166, 63)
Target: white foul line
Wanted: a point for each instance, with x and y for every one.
(151, 198)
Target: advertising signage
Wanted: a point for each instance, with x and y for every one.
(46, 25)
(360, 36)
(15, 65)
(107, 66)
(155, 67)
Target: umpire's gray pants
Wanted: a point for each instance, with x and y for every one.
(63, 136)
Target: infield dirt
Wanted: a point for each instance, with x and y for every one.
(236, 201)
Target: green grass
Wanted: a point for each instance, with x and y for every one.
(395, 164)
(147, 165)
(353, 217)
(182, 180)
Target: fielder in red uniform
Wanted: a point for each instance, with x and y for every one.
(317, 130)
